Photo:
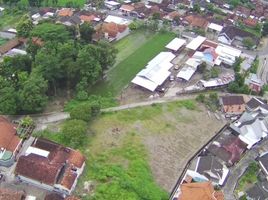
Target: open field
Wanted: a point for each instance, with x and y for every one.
(61, 3)
(132, 154)
(121, 75)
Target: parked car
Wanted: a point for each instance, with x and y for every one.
(172, 78)
(176, 67)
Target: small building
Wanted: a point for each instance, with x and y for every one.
(196, 21)
(50, 166)
(233, 105)
(10, 45)
(176, 44)
(196, 43)
(254, 83)
(126, 9)
(156, 72)
(117, 20)
(189, 69)
(65, 12)
(10, 143)
(112, 5)
(70, 20)
(215, 27)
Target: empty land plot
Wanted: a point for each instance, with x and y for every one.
(162, 137)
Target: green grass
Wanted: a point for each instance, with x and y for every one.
(249, 177)
(10, 19)
(61, 3)
(121, 75)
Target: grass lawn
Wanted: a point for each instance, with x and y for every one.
(2, 41)
(121, 75)
(10, 19)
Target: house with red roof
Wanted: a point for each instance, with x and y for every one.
(50, 166)
(10, 143)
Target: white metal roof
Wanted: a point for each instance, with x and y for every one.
(156, 72)
(196, 42)
(117, 20)
(193, 62)
(215, 27)
(112, 3)
(186, 73)
(176, 44)
(37, 151)
(227, 54)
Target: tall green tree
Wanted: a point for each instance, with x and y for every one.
(32, 97)
(86, 32)
(8, 97)
(25, 26)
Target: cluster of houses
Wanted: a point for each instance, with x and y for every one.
(44, 164)
(198, 50)
(210, 167)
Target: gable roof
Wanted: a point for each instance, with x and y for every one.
(65, 12)
(232, 100)
(254, 103)
(38, 168)
(199, 191)
(195, 20)
(232, 32)
(9, 45)
(8, 137)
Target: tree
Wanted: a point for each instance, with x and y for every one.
(35, 3)
(86, 32)
(196, 8)
(265, 29)
(202, 67)
(74, 132)
(25, 26)
(156, 16)
(248, 42)
(81, 112)
(8, 97)
(32, 97)
(107, 54)
(237, 64)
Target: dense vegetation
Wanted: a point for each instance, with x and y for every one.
(60, 62)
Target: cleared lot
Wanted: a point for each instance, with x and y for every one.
(148, 146)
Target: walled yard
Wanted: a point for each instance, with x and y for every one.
(148, 145)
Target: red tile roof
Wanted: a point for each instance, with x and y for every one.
(196, 21)
(38, 168)
(8, 137)
(68, 178)
(112, 28)
(76, 158)
(87, 18)
(7, 194)
(127, 8)
(65, 12)
(250, 22)
(9, 45)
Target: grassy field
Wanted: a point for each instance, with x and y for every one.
(62, 3)
(121, 74)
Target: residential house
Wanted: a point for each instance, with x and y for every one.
(7, 34)
(172, 16)
(216, 28)
(250, 22)
(211, 168)
(251, 127)
(242, 11)
(258, 191)
(70, 20)
(254, 83)
(117, 20)
(176, 44)
(126, 9)
(56, 196)
(110, 31)
(255, 104)
(65, 12)
(10, 143)
(199, 191)
(234, 36)
(227, 147)
(112, 5)
(196, 21)
(10, 45)
(233, 105)
(8, 194)
(50, 166)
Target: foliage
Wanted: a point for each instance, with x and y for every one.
(248, 42)
(25, 26)
(85, 112)
(211, 101)
(74, 132)
(27, 121)
(254, 66)
(51, 32)
(238, 85)
(196, 8)
(201, 98)
(237, 65)
(250, 176)
(156, 16)
(212, 73)
(86, 32)
(202, 67)
(265, 29)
